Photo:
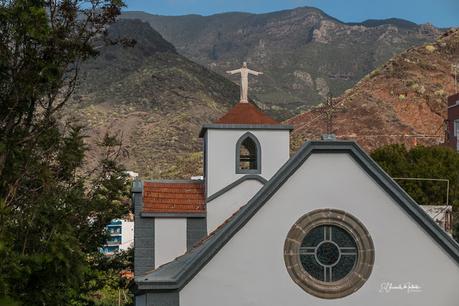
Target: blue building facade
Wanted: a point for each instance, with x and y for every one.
(121, 236)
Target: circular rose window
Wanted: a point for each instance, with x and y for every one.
(329, 253)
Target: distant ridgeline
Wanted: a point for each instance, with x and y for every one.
(304, 52)
(156, 98)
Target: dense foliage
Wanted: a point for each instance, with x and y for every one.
(110, 281)
(53, 210)
(424, 162)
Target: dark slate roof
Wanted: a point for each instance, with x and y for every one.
(176, 274)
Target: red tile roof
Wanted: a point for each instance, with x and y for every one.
(172, 197)
(245, 113)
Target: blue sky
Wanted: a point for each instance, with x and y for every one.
(442, 13)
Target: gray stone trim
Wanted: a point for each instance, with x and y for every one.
(172, 215)
(175, 181)
(161, 298)
(144, 234)
(342, 287)
(205, 127)
(196, 229)
(177, 274)
(234, 184)
(137, 186)
(238, 155)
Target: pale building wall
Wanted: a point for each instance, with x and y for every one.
(127, 235)
(221, 155)
(250, 269)
(170, 239)
(224, 206)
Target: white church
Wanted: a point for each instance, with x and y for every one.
(326, 226)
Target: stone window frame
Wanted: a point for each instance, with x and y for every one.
(238, 156)
(362, 268)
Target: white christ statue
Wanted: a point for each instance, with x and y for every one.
(244, 71)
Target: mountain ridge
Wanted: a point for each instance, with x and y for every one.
(371, 21)
(304, 53)
(156, 99)
(153, 98)
(402, 101)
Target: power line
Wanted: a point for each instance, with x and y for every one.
(341, 103)
(444, 209)
(329, 109)
(392, 135)
(427, 179)
(307, 124)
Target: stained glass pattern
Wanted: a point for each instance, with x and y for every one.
(328, 253)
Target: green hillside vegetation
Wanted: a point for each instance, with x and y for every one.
(155, 99)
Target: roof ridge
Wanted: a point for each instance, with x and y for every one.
(246, 113)
(176, 274)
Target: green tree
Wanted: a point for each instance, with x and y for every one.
(111, 283)
(435, 162)
(422, 162)
(53, 210)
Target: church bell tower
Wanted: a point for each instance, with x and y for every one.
(245, 141)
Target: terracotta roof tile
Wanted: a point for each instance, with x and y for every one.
(171, 197)
(246, 113)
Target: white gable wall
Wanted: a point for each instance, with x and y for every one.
(224, 206)
(170, 239)
(221, 155)
(250, 269)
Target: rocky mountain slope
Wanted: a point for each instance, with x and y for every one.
(155, 99)
(403, 101)
(303, 52)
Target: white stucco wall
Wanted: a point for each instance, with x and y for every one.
(250, 270)
(221, 155)
(170, 239)
(228, 203)
(127, 235)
